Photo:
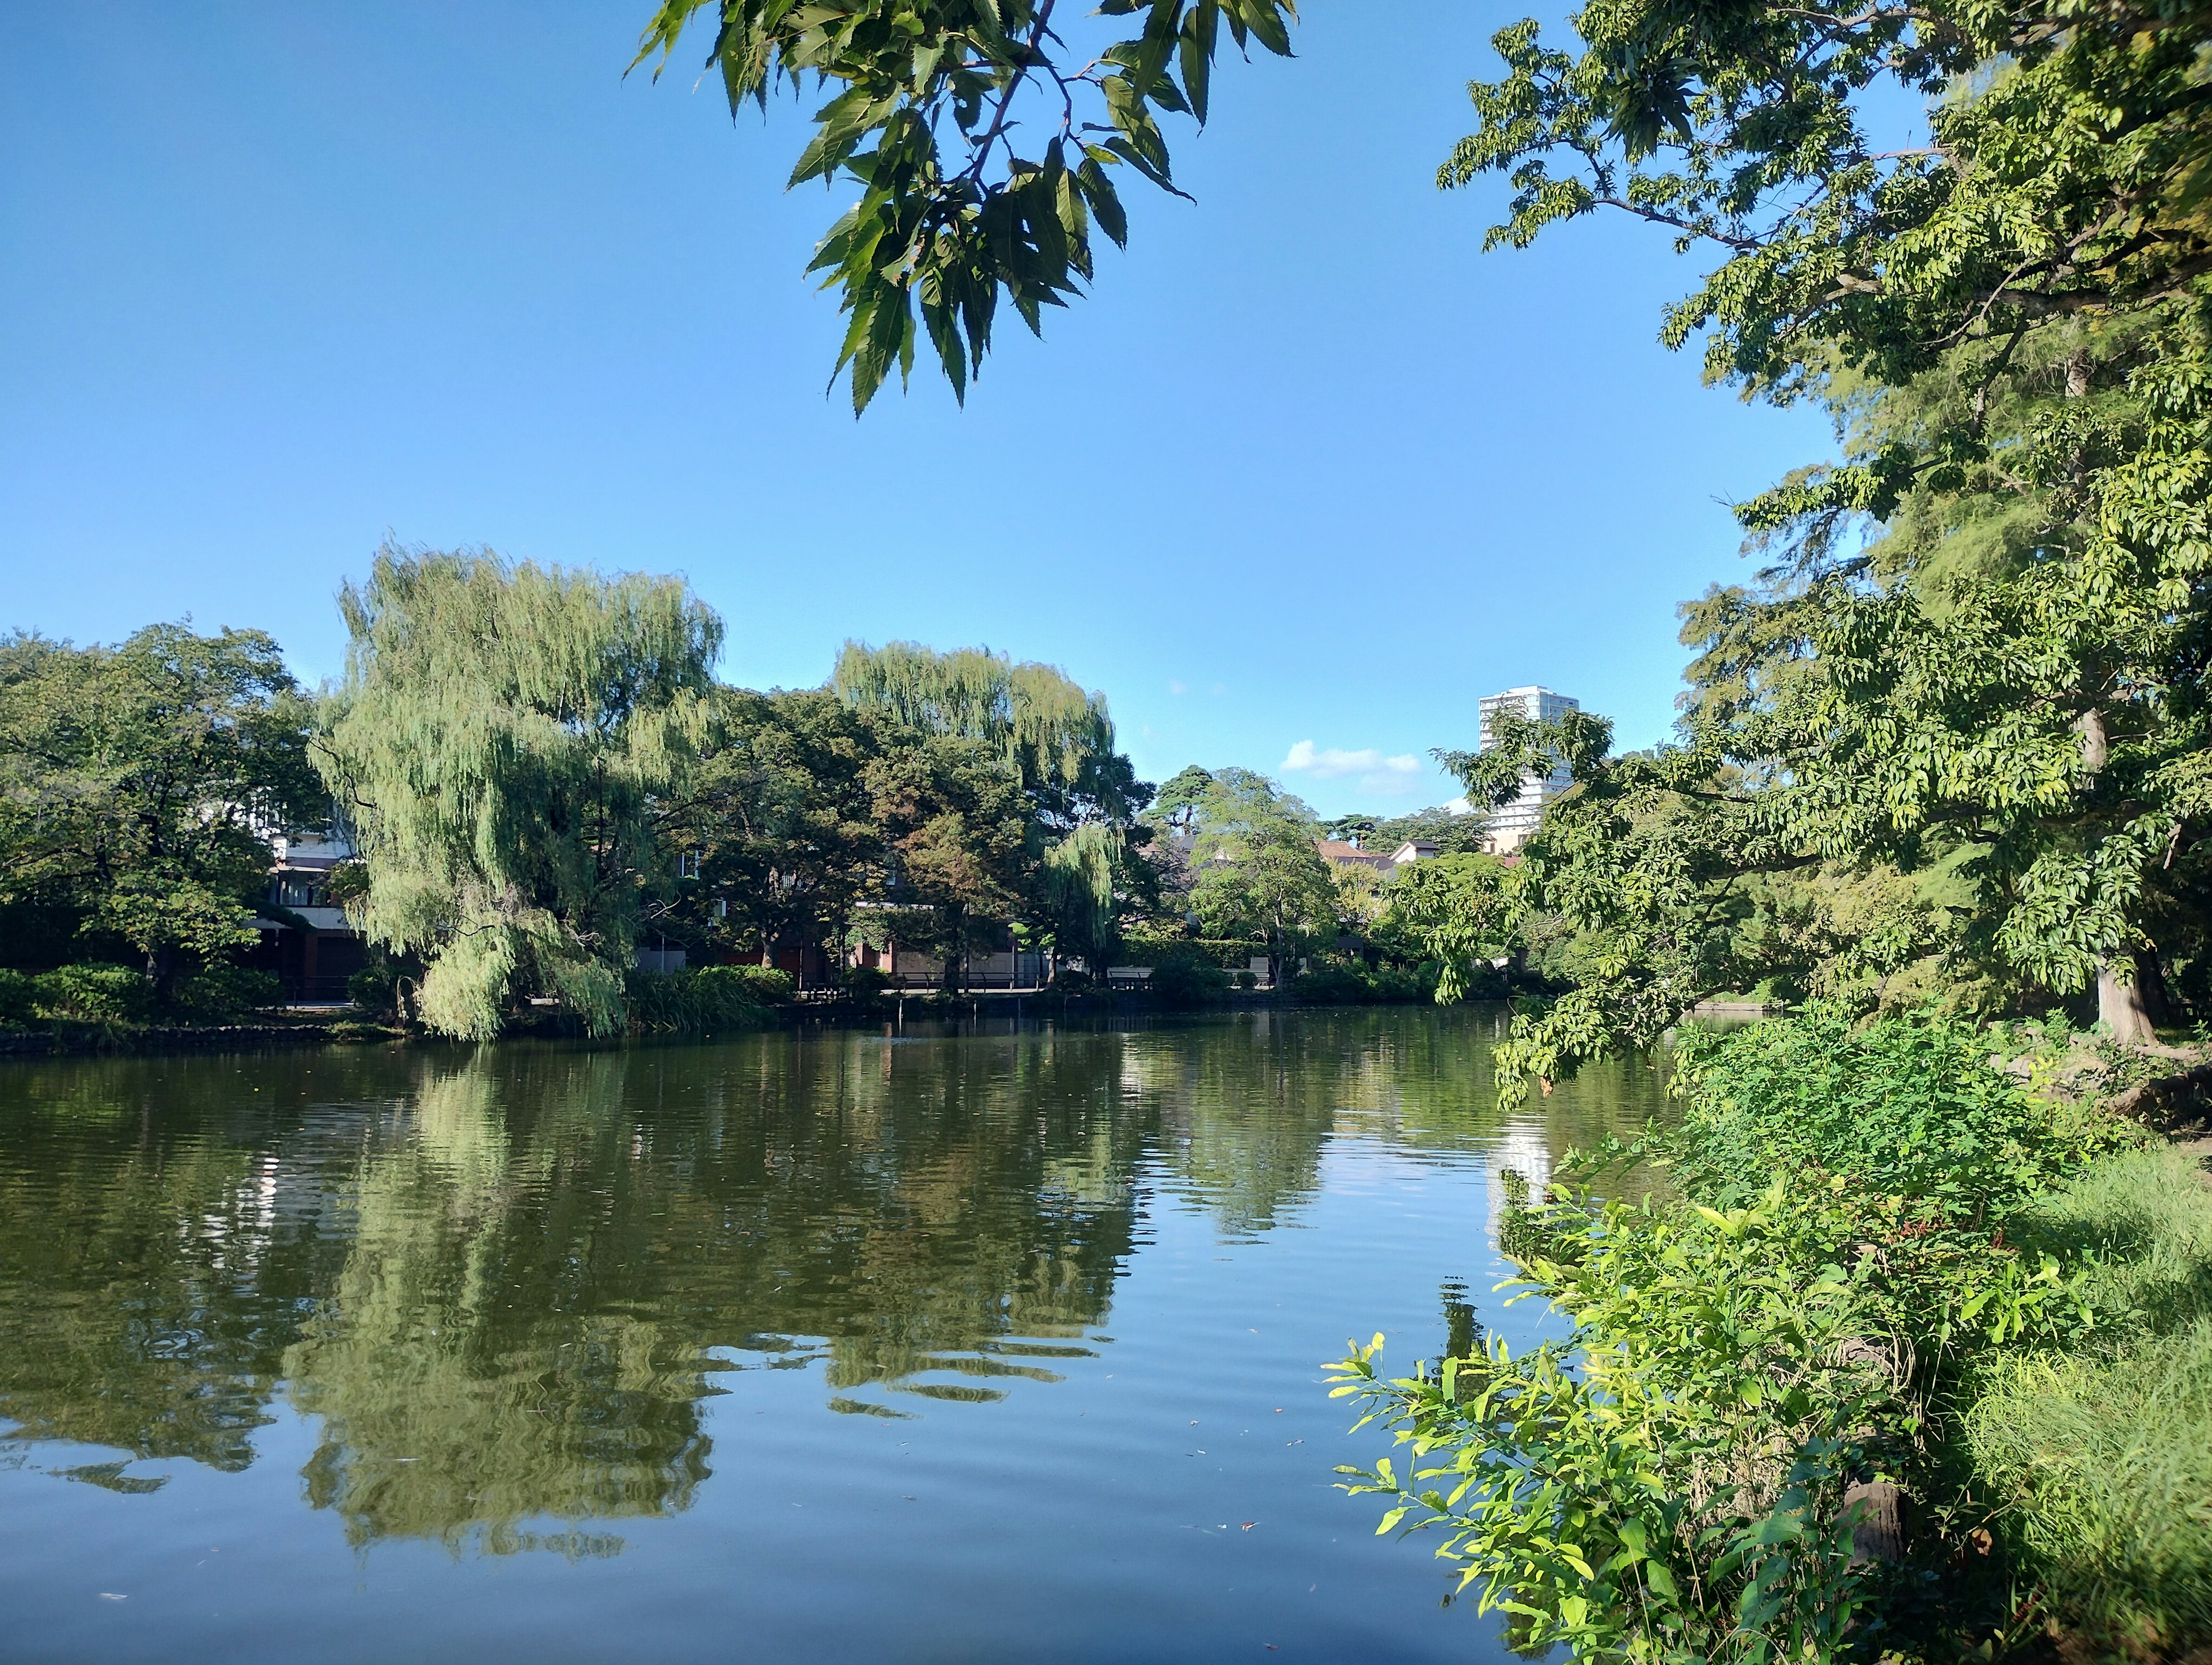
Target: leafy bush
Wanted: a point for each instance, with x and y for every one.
(867, 982)
(702, 1001)
(1247, 978)
(767, 985)
(222, 991)
(1357, 985)
(1230, 953)
(1183, 979)
(94, 994)
(1906, 1109)
(1675, 1480)
(19, 994)
(374, 988)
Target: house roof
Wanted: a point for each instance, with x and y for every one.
(1346, 853)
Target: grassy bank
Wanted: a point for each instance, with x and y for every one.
(1912, 1363)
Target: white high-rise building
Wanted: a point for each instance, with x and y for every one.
(1511, 824)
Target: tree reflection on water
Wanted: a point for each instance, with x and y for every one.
(502, 1284)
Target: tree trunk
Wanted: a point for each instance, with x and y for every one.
(2124, 1007)
(956, 947)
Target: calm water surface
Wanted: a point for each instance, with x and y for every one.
(841, 1345)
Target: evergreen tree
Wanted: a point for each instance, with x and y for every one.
(505, 744)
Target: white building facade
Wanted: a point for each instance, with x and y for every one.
(1512, 824)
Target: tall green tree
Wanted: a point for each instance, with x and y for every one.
(1255, 872)
(1967, 697)
(506, 744)
(962, 842)
(983, 135)
(139, 785)
(779, 831)
(1054, 740)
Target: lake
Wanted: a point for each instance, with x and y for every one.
(985, 1343)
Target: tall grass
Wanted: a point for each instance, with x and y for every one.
(2100, 1457)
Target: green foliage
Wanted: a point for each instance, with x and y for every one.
(1905, 1110)
(960, 835)
(118, 995)
(925, 121)
(134, 780)
(1080, 867)
(1230, 953)
(18, 996)
(1953, 739)
(1256, 872)
(376, 987)
(1184, 977)
(1462, 909)
(707, 999)
(93, 993)
(1673, 1481)
(865, 984)
(779, 834)
(2066, 171)
(1055, 737)
(502, 744)
(223, 992)
(1361, 985)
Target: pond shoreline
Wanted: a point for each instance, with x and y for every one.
(342, 1027)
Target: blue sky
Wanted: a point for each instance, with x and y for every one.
(1306, 476)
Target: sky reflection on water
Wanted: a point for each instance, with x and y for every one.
(939, 1345)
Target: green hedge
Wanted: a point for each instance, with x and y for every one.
(1229, 953)
(90, 992)
(704, 1001)
(1339, 985)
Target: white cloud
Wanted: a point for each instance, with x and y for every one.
(1178, 688)
(1390, 777)
(1460, 806)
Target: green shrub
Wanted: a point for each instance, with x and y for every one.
(1831, 1281)
(1907, 1109)
(704, 1001)
(1183, 979)
(374, 988)
(1230, 953)
(767, 985)
(1247, 978)
(94, 994)
(865, 982)
(222, 991)
(1356, 985)
(19, 996)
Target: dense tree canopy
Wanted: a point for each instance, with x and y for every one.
(138, 783)
(779, 834)
(505, 744)
(1252, 869)
(1954, 736)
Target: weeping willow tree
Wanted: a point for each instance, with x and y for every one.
(502, 743)
(1057, 739)
(1055, 735)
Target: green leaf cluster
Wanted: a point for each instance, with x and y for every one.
(983, 144)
